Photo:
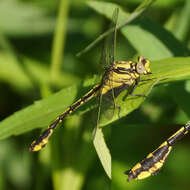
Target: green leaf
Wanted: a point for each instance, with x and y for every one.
(108, 9)
(172, 69)
(181, 30)
(39, 114)
(128, 103)
(22, 76)
(180, 93)
(23, 19)
(160, 3)
(148, 38)
(12, 72)
(152, 40)
(42, 112)
(102, 150)
(59, 39)
(164, 71)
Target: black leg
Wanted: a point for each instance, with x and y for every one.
(134, 87)
(136, 84)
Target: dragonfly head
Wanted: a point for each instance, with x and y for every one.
(143, 66)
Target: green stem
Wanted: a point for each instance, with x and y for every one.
(59, 39)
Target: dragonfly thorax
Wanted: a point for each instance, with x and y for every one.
(124, 73)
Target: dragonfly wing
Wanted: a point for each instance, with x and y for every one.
(108, 104)
(108, 53)
(108, 57)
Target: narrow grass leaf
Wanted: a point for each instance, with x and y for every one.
(23, 19)
(147, 37)
(109, 9)
(102, 151)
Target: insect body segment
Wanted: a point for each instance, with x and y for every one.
(44, 137)
(123, 73)
(152, 164)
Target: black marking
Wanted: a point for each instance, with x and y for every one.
(134, 87)
(62, 116)
(55, 123)
(74, 106)
(124, 69)
(143, 61)
(173, 140)
(179, 134)
(44, 135)
(119, 71)
(160, 153)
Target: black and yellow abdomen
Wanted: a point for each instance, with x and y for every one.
(42, 140)
(152, 164)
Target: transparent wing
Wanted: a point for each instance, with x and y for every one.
(108, 101)
(108, 56)
(108, 53)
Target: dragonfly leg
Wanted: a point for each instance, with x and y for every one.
(134, 87)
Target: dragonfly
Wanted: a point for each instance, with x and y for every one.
(154, 161)
(117, 75)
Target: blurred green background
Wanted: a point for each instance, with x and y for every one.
(39, 41)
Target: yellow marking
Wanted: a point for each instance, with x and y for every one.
(144, 174)
(162, 145)
(186, 132)
(65, 111)
(166, 155)
(37, 148)
(179, 131)
(44, 141)
(133, 75)
(150, 155)
(120, 77)
(117, 83)
(137, 166)
(147, 66)
(158, 165)
(123, 64)
(105, 89)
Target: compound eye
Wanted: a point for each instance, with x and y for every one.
(140, 68)
(143, 61)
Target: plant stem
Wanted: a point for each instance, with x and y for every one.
(59, 39)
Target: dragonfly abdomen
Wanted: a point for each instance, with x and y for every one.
(42, 140)
(152, 164)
